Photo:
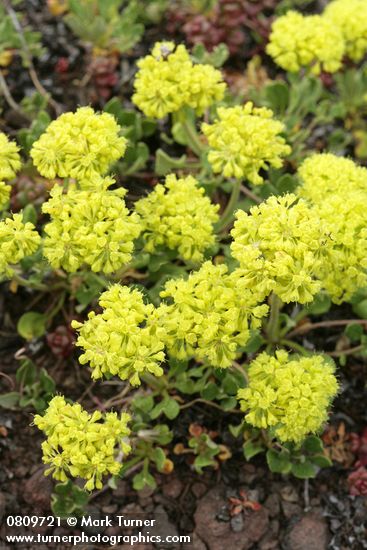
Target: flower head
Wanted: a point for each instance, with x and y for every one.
(324, 175)
(245, 140)
(208, 316)
(336, 189)
(350, 16)
(4, 194)
(178, 215)
(9, 158)
(289, 396)
(80, 444)
(89, 227)
(311, 41)
(78, 145)
(279, 247)
(125, 339)
(167, 80)
(17, 240)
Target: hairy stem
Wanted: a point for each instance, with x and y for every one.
(272, 329)
(307, 327)
(250, 194)
(193, 138)
(9, 98)
(32, 71)
(295, 346)
(227, 216)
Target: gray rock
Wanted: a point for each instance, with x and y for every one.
(217, 534)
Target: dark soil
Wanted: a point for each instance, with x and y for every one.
(294, 515)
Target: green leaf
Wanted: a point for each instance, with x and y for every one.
(278, 462)
(360, 309)
(135, 159)
(255, 342)
(164, 435)
(47, 383)
(354, 332)
(68, 499)
(228, 403)
(142, 479)
(149, 126)
(179, 134)
(171, 408)
(26, 373)
(277, 97)
(203, 461)
(185, 385)
(321, 461)
(29, 214)
(304, 470)
(321, 304)
(31, 325)
(167, 406)
(252, 448)
(216, 58)
(90, 289)
(165, 164)
(210, 391)
(235, 430)
(9, 400)
(159, 458)
(230, 385)
(286, 184)
(144, 404)
(313, 444)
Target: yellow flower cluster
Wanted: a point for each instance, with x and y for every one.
(79, 145)
(336, 188)
(350, 16)
(89, 227)
(208, 316)
(125, 339)
(178, 215)
(4, 194)
(167, 80)
(9, 165)
(312, 41)
(79, 445)
(279, 247)
(9, 158)
(17, 240)
(324, 175)
(290, 397)
(245, 140)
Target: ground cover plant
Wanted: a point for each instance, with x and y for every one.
(183, 255)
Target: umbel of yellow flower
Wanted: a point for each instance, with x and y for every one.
(178, 215)
(17, 240)
(89, 227)
(9, 158)
(4, 194)
(80, 444)
(279, 247)
(208, 316)
(288, 396)
(312, 42)
(80, 145)
(350, 16)
(125, 339)
(325, 174)
(245, 140)
(167, 80)
(337, 190)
